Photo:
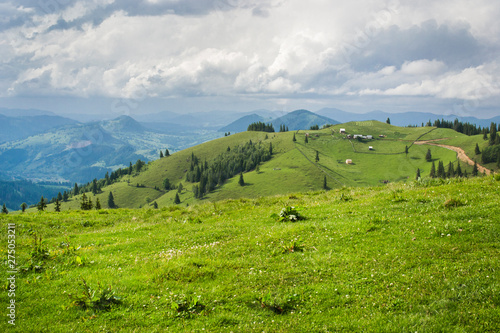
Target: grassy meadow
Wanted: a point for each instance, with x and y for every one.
(406, 257)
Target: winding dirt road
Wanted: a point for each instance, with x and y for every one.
(460, 153)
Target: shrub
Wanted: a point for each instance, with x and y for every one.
(288, 214)
(95, 299)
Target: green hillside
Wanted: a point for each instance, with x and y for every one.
(293, 166)
(407, 257)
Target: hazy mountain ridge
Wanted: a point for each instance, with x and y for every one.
(16, 128)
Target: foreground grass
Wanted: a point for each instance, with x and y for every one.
(407, 257)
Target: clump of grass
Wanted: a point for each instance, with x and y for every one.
(288, 213)
(452, 203)
(187, 306)
(95, 299)
(39, 254)
(278, 306)
(293, 246)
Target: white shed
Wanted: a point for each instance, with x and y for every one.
(342, 131)
(348, 161)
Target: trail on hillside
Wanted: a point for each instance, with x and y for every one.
(460, 153)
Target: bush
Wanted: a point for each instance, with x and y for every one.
(288, 214)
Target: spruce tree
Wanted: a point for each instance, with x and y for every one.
(294, 138)
(428, 156)
(42, 204)
(65, 196)
(130, 168)
(433, 170)
(493, 134)
(241, 181)
(76, 190)
(476, 150)
(418, 174)
(306, 139)
(270, 148)
(23, 206)
(59, 196)
(498, 159)
(440, 171)
(451, 172)
(155, 205)
(180, 188)
(97, 204)
(161, 154)
(325, 185)
(57, 206)
(485, 134)
(388, 121)
(458, 172)
(177, 200)
(4, 209)
(167, 153)
(406, 150)
(475, 170)
(111, 200)
(317, 156)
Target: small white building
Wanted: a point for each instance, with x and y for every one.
(342, 131)
(370, 148)
(369, 137)
(348, 161)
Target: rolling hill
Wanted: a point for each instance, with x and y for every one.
(294, 166)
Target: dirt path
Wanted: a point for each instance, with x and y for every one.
(460, 153)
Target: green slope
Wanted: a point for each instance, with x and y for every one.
(409, 257)
(293, 167)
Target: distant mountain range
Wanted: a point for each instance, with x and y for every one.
(401, 119)
(296, 120)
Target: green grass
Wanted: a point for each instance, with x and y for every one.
(410, 256)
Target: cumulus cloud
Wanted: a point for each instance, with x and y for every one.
(258, 48)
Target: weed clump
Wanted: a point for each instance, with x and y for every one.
(452, 203)
(187, 306)
(288, 214)
(95, 299)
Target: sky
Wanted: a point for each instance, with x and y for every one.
(144, 56)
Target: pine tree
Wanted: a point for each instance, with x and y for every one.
(270, 148)
(84, 202)
(130, 168)
(458, 172)
(4, 209)
(451, 172)
(306, 139)
(94, 186)
(477, 151)
(155, 205)
(241, 181)
(440, 171)
(325, 185)
(111, 200)
(65, 196)
(388, 121)
(498, 159)
(485, 134)
(23, 206)
(76, 190)
(97, 204)
(428, 156)
(433, 170)
(177, 200)
(406, 150)
(59, 196)
(57, 206)
(418, 174)
(475, 170)
(42, 204)
(166, 184)
(167, 153)
(493, 134)
(317, 156)
(161, 154)
(180, 188)
(294, 138)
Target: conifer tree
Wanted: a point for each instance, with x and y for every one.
(406, 150)
(294, 138)
(97, 204)
(4, 209)
(65, 196)
(440, 171)
(475, 170)
(433, 170)
(94, 186)
(270, 148)
(458, 172)
(166, 184)
(180, 188)
(155, 205)
(485, 134)
(498, 159)
(428, 156)
(493, 134)
(388, 121)
(177, 200)
(59, 196)
(42, 204)
(167, 153)
(418, 174)
(451, 172)
(111, 200)
(317, 156)
(161, 154)
(241, 181)
(23, 206)
(130, 168)
(476, 150)
(306, 140)
(57, 206)
(76, 190)
(325, 185)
